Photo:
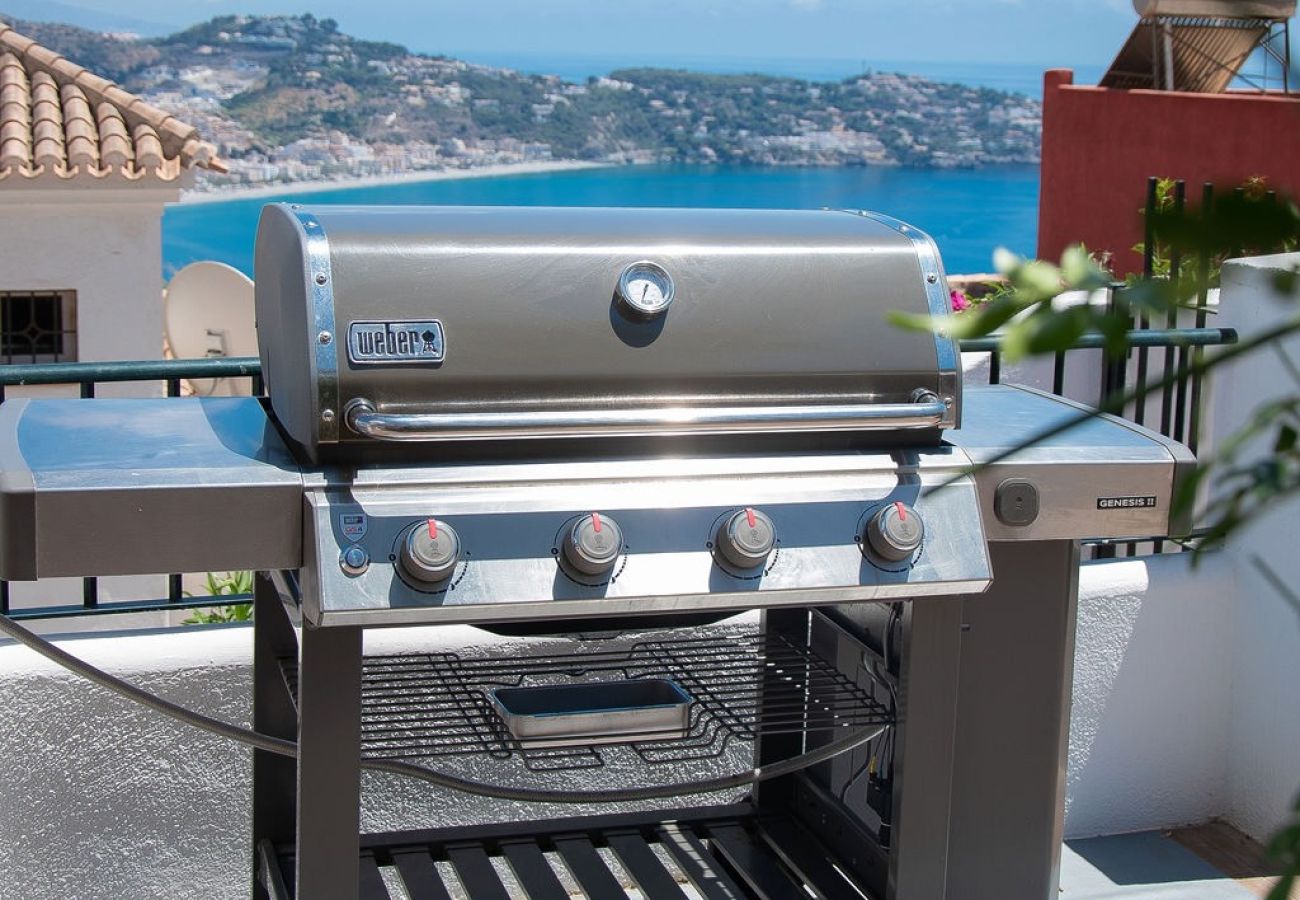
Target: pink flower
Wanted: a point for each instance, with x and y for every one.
(959, 301)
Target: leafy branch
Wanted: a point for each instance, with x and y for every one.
(1030, 321)
(1254, 469)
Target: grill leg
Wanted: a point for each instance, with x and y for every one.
(274, 777)
(926, 646)
(329, 770)
(923, 755)
(1013, 717)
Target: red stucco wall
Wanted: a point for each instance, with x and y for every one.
(1101, 145)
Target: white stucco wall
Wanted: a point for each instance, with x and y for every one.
(1185, 695)
(107, 246)
(101, 799)
(1149, 729)
(1263, 772)
(100, 796)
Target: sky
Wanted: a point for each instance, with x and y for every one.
(1039, 32)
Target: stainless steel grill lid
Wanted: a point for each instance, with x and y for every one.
(446, 323)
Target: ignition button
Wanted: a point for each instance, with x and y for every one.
(1016, 502)
(354, 560)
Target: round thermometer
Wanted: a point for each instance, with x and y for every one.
(645, 290)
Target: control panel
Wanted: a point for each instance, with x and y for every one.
(411, 553)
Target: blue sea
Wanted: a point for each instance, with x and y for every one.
(968, 212)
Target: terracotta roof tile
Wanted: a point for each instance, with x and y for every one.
(80, 129)
(48, 143)
(114, 143)
(60, 121)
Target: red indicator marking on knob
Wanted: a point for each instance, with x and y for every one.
(749, 517)
(902, 510)
(595, 522)
(433, 529)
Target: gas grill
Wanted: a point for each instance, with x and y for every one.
(603, 434)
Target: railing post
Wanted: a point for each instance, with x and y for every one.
(1202, 299)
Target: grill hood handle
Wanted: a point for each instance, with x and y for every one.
(926, 410)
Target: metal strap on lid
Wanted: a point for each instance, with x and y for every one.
(325, 355)
(925, 411)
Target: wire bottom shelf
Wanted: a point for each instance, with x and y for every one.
(436, 708)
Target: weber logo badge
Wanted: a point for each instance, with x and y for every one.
(384, 343)
(1126, 502)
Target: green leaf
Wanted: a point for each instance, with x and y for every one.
(1079, 271)
(1060, 331)
(1036, 280)
(1004, 261)
(1115, 329)
(1288, 282)
(991, 316)
(1015, 341)
(1152, 297)
(1286, 440)
(1045, 331)
(985, 320)
(1185, 496)
(915, 321)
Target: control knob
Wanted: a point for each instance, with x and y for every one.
(593, 544)
(430, 551)
(746, 539)
(895, 532)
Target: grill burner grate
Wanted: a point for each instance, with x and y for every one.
(437, 706)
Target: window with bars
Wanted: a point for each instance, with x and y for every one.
(38, 326)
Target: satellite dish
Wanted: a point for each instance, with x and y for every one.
(207, 313)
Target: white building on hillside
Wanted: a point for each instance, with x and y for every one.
(85, 170)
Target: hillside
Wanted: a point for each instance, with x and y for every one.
(292, 97)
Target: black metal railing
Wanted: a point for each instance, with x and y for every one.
(1168, 391)
(171, 373)
(85, 377)
(1173, 409)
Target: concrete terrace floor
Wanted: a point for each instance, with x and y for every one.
(1209, 862)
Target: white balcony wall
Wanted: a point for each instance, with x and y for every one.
(1150, 726)
(104, 800)
(1263, 772)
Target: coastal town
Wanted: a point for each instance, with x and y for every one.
(293, 100)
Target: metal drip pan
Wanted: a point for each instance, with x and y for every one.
(562, 715)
